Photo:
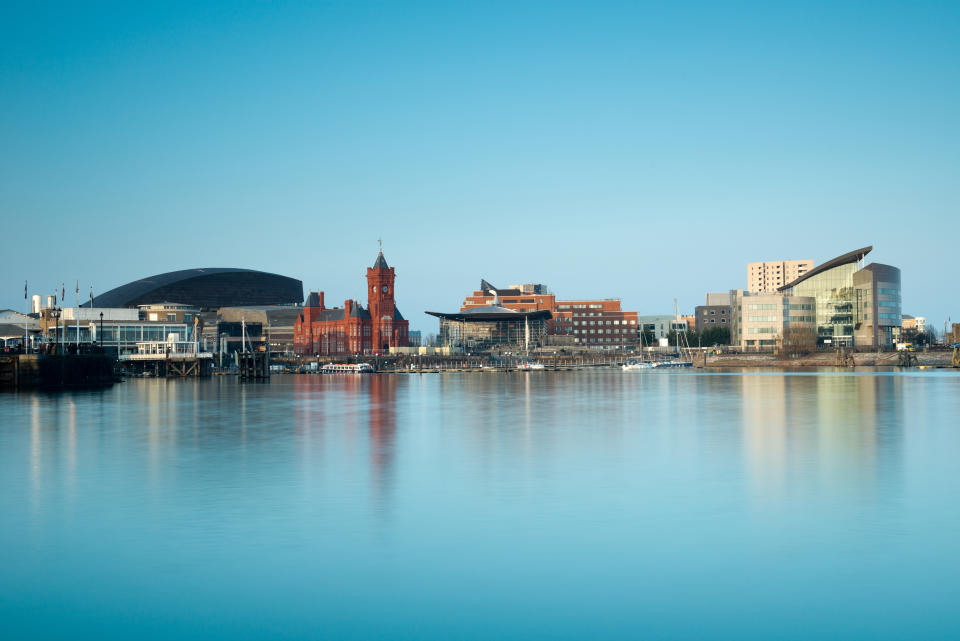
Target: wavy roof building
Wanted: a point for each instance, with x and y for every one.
(207, 288)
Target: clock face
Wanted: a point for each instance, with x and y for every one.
(384, 289)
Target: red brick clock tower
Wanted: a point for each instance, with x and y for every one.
(381, 304)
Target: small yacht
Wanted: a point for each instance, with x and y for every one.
(633, 366)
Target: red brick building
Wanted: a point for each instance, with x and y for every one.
(351, 329)
(590, 323)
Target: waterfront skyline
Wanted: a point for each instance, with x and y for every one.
(644, 153)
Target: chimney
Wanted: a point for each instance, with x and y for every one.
(347, 304)
(320, 296)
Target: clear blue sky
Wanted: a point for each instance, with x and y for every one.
(637, 150)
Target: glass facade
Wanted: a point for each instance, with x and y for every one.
(122, 337)
(487, 334)
(836, 303)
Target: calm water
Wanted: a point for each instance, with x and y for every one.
(481, 506)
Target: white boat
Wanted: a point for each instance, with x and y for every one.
(633, 366)
(677, 363)
(347, 368)
(530, 365)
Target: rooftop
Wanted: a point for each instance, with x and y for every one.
(850, 257)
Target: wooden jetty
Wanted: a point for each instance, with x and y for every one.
(170, 359)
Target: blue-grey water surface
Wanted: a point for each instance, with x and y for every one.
(554, 505)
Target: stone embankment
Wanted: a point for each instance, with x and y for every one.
(941, 358)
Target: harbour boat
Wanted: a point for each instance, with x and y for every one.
(527, 366)
(633, 366)
(676, 363)
(347, 368)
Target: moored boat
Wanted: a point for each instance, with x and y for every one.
(347, 368)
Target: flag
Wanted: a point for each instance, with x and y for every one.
(78, 287)
(91, 295)
(24, 290)
(63, 292)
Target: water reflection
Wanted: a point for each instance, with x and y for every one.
(836, 433)
(303, 500)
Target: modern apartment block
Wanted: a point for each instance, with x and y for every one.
(662, 324)
(589, 323)
(768, 277)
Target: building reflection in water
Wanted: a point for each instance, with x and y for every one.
(382, 432)
(827, 433)
(335, 412)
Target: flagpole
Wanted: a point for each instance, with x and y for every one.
(26, 304)
(77, 291)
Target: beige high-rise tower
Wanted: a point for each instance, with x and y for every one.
(767, 277)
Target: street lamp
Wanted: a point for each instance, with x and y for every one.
(56, 335)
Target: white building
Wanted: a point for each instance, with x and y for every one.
(661, 324)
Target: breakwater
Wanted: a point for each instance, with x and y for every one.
(56, 371)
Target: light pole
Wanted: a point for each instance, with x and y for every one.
(101, 330)
(56, 335)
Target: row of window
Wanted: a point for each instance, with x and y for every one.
(616, 322)
(591, 306)
(600, 331)
(582, 314)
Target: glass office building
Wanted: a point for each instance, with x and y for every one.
(492, 327)
(854, 306)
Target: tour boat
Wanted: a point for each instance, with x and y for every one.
(347, 368)
(677, 363)
(530, 365)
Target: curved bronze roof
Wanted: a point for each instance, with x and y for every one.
(849, 257)
(206, 288)
(492, 313)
